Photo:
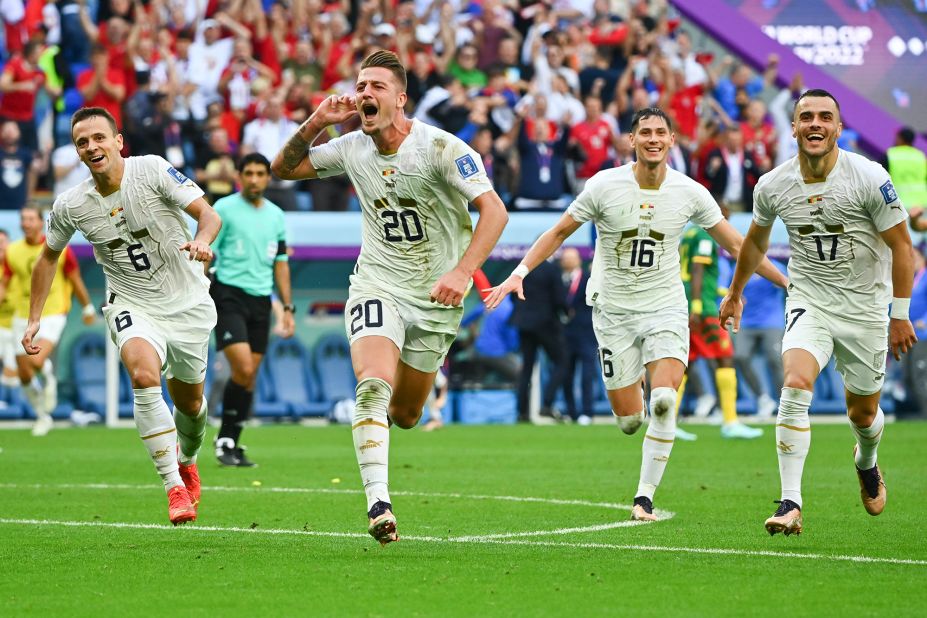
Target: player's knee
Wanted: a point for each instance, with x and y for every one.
(244, 375)
(371, 398)
(794, 379)
(189, 404)
(662, 401)
(405, 417)
(862, 414)
(143, 377)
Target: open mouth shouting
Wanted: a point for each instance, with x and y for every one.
(369, 111)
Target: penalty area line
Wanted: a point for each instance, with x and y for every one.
(475, 540)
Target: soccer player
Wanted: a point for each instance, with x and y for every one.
(8, 344)
(707, 339)
(639, 304)
(418, 253)
(850, 252)
(251, 250)
(158, 308)
(17, 274)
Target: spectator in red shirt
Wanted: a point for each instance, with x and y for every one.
(594, 136)
(102, 85)
(760, 137)
(19, 83)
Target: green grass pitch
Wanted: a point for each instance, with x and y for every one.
(289, 537)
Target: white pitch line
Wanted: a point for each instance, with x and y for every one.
(477, 540)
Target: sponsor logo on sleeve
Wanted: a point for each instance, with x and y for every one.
(176, 175)
(466, 166)
(888, 192)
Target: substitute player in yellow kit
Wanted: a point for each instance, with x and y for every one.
(20, 260)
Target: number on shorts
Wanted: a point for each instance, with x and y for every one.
(608, 370)
(796, 313)
(831, 254)
(642, 252)
(139, 260)
(123, 321)
(369, 314)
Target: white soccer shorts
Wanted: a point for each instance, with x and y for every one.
(859, 348)
(423, 335)
(50, 329)
(181, 340)
(627, 342)
(8, 348)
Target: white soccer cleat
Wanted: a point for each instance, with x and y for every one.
(739, 431)
(42, 426)
(685, 436)
(704, 405)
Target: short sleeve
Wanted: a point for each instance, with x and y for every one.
(883, 203)
(59, 227)
(763, 213)
(707, 213)
(328, 159)
(586, 205)
(177, 189)
(462, 168)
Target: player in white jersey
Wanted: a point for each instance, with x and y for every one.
(640, 312)
(850, 252)
(418, 253)
(158, 311)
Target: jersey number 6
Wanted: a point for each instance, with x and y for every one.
(139, 258)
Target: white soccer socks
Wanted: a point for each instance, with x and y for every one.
(190, 432)
(793, 439)
(658, 441)
(371, 437)
(156, 428)
(35, 395)
(630, 424)
(867, 440)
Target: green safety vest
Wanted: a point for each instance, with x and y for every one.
(47, 64)
(908, 168)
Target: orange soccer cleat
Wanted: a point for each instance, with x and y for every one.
(180, 508)
(191, 478)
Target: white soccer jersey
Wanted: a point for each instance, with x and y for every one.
(415, 221)
(136, 235)
(636, 263)
(839, 263)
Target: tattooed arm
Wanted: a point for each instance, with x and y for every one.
(292, 162)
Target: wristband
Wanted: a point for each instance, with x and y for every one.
(89, 311)
(521, 271)
(696, 306)
(290, 307)
(900, 308)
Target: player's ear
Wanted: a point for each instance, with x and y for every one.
(401, 100)
(119, 140)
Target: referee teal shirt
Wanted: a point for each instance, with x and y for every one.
(250, 242)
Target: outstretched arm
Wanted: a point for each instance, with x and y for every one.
(450, 288)
(752, 253)
(43, 273)
(542, 249)
(900, 331)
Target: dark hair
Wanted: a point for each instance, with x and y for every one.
(30, 47)
(906, 135)
(253, 158)
(33, 207)
(817, 92)
(649, 112)
(387, 60)
(89, 112)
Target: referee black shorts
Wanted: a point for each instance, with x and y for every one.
(242, 318)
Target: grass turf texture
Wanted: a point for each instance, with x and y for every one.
(720, 491)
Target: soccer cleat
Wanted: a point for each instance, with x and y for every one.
(243, 461)
(739, 431)
(226, 456)
(42, 426)
(191, 478)
(382, 523)
(871, 488)
(685, 436)
(642, 509)
(180, 508)
(787, 519)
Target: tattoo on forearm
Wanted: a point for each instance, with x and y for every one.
(294, 151)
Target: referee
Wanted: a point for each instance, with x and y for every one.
(251, 257)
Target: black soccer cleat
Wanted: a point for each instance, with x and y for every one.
(243, 461)
(642, 509)
(225, 454)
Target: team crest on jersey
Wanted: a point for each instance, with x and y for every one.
(176, 175)
(116, 211)
(888, 192)
(814, 199)
(466, 166)
(389, 172)
(647, 206)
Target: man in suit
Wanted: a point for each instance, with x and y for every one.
(539, 326)
(581, 346)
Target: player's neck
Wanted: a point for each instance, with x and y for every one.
(816, 169)
(389, 139)
(108, 182)
(649, 177)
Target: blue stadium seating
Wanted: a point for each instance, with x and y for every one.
(88, 371)
(289, 371)
(332, 362)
